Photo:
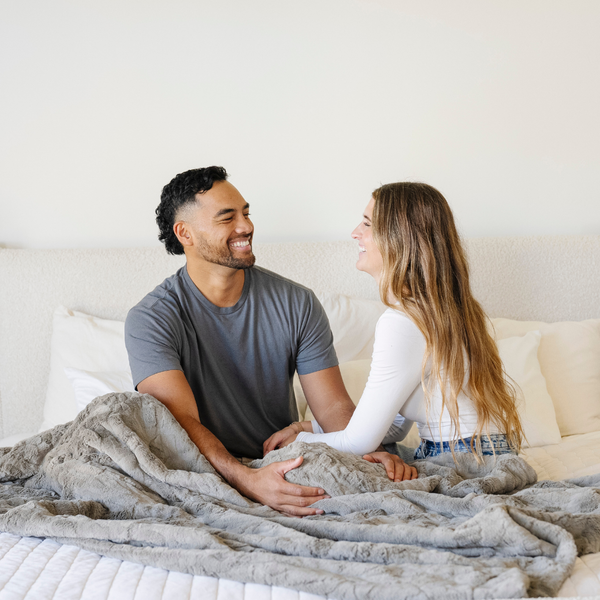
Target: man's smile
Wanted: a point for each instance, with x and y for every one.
(240, 244)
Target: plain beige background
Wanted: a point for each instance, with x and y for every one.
(309, 105)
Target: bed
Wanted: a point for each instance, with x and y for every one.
(542, 293)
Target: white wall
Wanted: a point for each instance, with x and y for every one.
(309, 104)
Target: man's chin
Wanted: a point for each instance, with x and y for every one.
(242, 263)
(233, 260)
(247, 264)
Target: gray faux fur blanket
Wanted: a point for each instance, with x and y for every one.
(124, 480)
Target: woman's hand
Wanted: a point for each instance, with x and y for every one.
(395, 467)
(284, 437)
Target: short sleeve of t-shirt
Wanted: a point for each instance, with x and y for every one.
(315, 347)
(153, 339)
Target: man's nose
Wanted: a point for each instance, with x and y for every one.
(244, 225)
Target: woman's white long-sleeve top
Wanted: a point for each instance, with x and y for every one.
(394, 387)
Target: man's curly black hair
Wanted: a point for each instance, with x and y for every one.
(182, 190)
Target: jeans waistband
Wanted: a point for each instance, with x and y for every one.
(495, 443)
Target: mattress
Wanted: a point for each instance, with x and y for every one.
(42, 569)
(575, 456)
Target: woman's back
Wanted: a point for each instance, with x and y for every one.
(395, 328)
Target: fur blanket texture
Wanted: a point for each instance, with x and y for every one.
(124, 480)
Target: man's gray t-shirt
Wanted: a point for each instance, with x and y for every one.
(238, 360)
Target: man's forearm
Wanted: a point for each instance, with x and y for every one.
(328, 398)
(215, 452)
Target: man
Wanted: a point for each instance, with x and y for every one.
(218, 343)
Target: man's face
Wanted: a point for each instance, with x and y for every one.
(220, 227)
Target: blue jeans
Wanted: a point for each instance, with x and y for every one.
(496, 442)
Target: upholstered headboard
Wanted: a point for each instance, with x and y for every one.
(537, 278)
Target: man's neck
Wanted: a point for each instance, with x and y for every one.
(220, 285)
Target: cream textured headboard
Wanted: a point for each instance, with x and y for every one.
(546, 278)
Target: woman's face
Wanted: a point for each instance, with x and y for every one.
(369, 257)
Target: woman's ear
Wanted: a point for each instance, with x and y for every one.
(181, 230)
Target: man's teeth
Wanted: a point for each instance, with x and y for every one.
(362, 249)
(240, 244)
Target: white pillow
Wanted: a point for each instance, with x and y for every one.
(519, 355)
(352, 322)
(88, 386)
(81, 342)
(520, 358)
(569, 357)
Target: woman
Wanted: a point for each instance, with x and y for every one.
(434, 361)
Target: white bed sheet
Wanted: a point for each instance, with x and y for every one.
(42, 569)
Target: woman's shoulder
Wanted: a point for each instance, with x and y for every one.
(396, 320)
(398, 338)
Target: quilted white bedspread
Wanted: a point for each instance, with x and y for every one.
(43, 569)
(575, 456)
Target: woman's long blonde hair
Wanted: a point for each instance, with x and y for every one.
(425, 270)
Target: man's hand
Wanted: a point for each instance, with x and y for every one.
(267, 485)
(395, 467)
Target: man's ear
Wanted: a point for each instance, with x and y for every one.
(181, 230)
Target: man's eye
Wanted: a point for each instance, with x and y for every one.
(367, 224)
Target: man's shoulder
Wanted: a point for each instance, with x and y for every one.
(163, 298)
(270, 279)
